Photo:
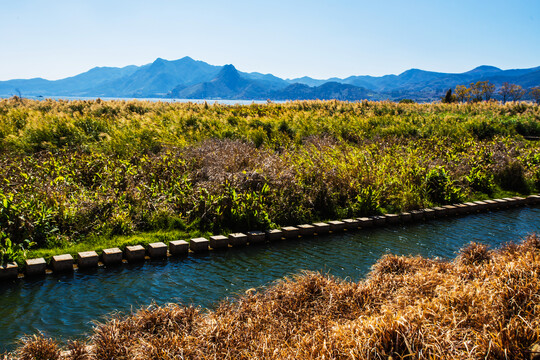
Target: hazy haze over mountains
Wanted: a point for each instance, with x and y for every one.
(190, 79)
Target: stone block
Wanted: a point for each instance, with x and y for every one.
(87, 259)
(351, 224)
(306, 230)
(238, 239)
(440, 211)
(502, 203)
(199, 244)
(532, 199)
(451, 210)
(62, 263)
(520, 201)
(471, 207)
(157, 250)
(135, 253)
(274, 234)
(111, 256)
(417, 215)
(321, 228)
(481, 205)
(405, 217)
(392, 219)
(35, 267)
(336, 225)
(290, 232)
(256, 237)
(9, 271)
(492, 205)
(429, 214)
(178, 247)
(218, 242)
(378, 220)
(461, 209)
(365, 222)
(512, 202)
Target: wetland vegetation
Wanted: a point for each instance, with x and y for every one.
(86, 175)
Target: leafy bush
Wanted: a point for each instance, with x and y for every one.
(483, 130)
(528, 128)
(407, 101)
(511, 177)
(480, 180)
(366, 202)
(10, 252)
(440, 188)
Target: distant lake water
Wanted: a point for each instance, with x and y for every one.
(168, 100)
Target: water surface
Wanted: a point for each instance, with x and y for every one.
(168, 100)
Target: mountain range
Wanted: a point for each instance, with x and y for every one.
(191, 79)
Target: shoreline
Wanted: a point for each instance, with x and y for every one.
(63, 263)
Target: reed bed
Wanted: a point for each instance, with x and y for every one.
(76, 175)
(485, 304)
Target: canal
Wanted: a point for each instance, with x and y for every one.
(65, 306)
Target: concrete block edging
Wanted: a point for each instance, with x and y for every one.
(90, 259)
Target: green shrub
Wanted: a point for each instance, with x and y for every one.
(511, 177)
(440, 188)
(10, 252)
(528, 128)
(480, 180)
(483, 130)
(366, 202)
(407, 101)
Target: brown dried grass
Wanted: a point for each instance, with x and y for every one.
(485, 304)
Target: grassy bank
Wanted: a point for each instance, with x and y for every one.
(482, 305)
(93, 174)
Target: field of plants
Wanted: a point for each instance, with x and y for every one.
(84, 175)
(482, 305)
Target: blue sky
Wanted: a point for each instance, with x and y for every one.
(59, 38)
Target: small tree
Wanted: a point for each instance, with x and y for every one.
(476, 91)
(487, 89)
(516, 92)
(505, 91)
(462, 93)
(535, 94)
(449, 97)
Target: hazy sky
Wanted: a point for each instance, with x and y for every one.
(59, 38)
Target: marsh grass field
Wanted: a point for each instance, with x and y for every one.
(86, 175)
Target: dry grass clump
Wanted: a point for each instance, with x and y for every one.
(474, 254)
(78, 350)
(38, 347)
(483, 305)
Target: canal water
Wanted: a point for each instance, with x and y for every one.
(66, 306)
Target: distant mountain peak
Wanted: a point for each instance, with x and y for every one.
(484, 68)
(159, 63)
(412, 70)
(229, 68)
(228, 74)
